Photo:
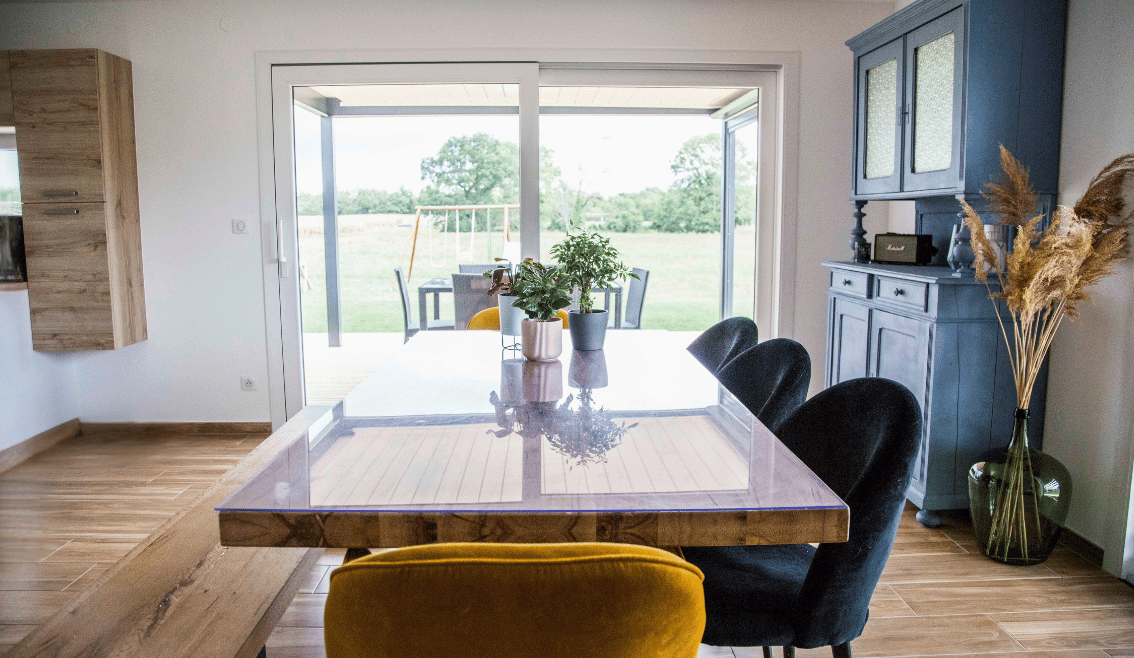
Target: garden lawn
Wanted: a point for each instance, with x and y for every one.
(683, 291)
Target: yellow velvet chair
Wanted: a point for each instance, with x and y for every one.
(489, 318)
(578, 600)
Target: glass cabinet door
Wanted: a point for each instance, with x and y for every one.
(879, 130)
(933, 89)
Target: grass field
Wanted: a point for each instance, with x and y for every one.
(683, 289)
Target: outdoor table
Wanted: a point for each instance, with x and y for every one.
(455, 440)
(438, 285)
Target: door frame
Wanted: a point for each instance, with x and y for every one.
(283, 352)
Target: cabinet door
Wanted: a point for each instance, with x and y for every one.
(850, 332)
(55, 103)
(878, 157)
(934, 66)
(899, 350)
(69, 287)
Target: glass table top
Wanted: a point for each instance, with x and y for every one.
(453, 423)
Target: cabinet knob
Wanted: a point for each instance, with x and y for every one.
(898, 292)
(846, 282)
(54, 193)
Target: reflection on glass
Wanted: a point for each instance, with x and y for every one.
(881, 108)
(933, 106)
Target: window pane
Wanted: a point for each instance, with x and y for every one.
(933, 110)
(881, 108)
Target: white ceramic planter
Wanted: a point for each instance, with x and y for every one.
(510, 316)
(541, 340)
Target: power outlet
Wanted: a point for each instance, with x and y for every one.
(247, 383)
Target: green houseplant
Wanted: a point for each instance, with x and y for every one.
(1019, 505)
(590, 262)
(502, 278)
(540, 292)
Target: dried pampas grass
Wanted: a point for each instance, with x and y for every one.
(1046, 276)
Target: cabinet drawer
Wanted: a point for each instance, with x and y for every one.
(901, 291)
(855, 284)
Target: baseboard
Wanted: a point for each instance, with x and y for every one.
(1082, 547)
(13, 456)
(177, 428)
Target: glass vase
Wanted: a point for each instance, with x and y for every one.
(1019, 504)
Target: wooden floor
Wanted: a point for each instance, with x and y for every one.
(72, 511)
(937, 596)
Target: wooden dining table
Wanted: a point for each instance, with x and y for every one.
(454, 439)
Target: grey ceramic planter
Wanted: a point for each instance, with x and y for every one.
(588, 330)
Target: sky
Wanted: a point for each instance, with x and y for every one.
(610, 154)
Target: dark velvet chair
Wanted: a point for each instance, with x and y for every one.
(723, 341)
(860, 437)
(770, 378)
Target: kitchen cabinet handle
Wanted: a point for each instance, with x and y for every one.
(61, 211)
(60, 193)
(846, 282)
(898, 292)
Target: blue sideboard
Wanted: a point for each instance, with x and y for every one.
(938, 335)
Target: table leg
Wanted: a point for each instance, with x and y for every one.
(618, 309)
(436, 306)
(422, 310)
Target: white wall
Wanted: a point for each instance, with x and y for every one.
(37, 390)
(197, 151)
(1090, 399)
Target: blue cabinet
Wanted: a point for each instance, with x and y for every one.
(938, 335)
(941, 84)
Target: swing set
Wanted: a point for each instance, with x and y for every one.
(437, 220)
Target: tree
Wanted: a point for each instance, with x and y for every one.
(474, 170)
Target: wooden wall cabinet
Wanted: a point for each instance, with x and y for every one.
(6, 118)
(938, 335)
(74, 117)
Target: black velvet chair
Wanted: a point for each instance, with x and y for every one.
(860, 437)
(723, 341)
(770, 378)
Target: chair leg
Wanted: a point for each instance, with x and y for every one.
(767, 652)
(841, 650)
(789, 652)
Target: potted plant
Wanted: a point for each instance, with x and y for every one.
(589, 262)
(1019, 503)
(540, 292)
(502, 280)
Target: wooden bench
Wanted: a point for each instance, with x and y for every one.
(179, 592)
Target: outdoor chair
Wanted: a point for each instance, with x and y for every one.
(770, 378)
(634, 298)
(489, 318)
(411, 327)
(500, 600)
(723, 342)
(860, 437)
(470, 296)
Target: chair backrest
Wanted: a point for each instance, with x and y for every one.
(489, 318)
(860, 437)
(475, 268)
(470, 296)
(770, 378)
(634, 298)
(407, 310)
(723, 342)
(483, 600)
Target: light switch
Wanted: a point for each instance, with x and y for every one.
(239, 226)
